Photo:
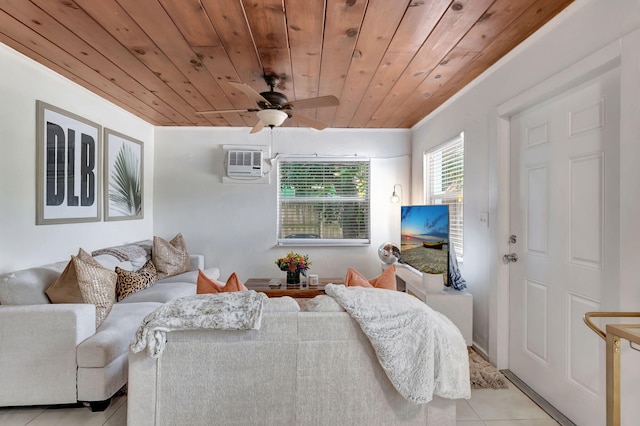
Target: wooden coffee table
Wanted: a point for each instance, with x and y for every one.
(274, 287)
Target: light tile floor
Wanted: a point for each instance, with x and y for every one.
(501, 407)
(487, 407)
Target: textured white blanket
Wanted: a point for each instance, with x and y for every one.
(224, 311)
(421, 350)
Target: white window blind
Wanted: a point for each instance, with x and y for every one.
(323, 201)
(444, 184)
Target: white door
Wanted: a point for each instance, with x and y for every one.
(564, 214)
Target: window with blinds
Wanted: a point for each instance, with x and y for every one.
(444, 183)
(323, 201)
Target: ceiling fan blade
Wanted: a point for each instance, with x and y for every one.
(308, 121)
(321, 101)
(250, 92)
(224, 111)
(259, 126)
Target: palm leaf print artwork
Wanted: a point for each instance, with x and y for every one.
(125, 194)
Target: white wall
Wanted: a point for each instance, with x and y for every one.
(22, 243)
(234, 224)
(581, 30)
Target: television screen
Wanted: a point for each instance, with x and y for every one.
(424, 239)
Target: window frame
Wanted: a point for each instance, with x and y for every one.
(322, 241)
(458, 196)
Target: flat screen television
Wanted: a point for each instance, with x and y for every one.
(424, 239)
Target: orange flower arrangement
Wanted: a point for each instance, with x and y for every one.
(293, 262)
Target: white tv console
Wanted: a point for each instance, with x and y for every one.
(454, 304)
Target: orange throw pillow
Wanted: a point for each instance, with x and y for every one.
(206, 285)
(386, 280)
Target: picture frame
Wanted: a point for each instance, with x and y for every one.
(68, 167)
(123, 177)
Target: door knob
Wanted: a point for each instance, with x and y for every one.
(510, 258)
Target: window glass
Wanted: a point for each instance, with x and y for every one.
(444, 184)
(323, 201)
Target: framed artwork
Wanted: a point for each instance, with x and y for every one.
(68, 167)
(123, 177)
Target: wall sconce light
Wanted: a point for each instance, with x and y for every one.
(395, 198)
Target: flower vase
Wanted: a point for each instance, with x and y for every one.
(293, 278)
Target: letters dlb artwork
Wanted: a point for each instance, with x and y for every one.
(68, 167)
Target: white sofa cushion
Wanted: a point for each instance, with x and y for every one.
(113, 337)
(323, 303)
(191, 276)
(161, 293)
(281, 304)
(27, 287)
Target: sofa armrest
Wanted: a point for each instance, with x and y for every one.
(142, 392)
(197, 261)
(38, 357)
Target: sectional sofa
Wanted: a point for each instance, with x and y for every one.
(54, 354)
(314, 367)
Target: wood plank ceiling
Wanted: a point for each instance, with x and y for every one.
(389, 62)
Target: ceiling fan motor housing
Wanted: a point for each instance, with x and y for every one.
(275, 108)
(274, 98)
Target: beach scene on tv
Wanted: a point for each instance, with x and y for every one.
(424, 239)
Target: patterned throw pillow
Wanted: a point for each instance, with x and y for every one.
(66, 289)
(170, 258)
(206, 285)
(97, 285)
(129, 282)
(385, 280)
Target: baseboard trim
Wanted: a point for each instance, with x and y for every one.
(535, 397)
(481, 352)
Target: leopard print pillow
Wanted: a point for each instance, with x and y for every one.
(130, 282)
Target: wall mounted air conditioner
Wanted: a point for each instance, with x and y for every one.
(244, 164)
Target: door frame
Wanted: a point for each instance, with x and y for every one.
(605, 59)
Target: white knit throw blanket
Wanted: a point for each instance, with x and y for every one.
(224, 311)
(421, 350)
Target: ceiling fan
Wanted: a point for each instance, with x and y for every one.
(274, 107)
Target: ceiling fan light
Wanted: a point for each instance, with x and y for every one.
(272, 117)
